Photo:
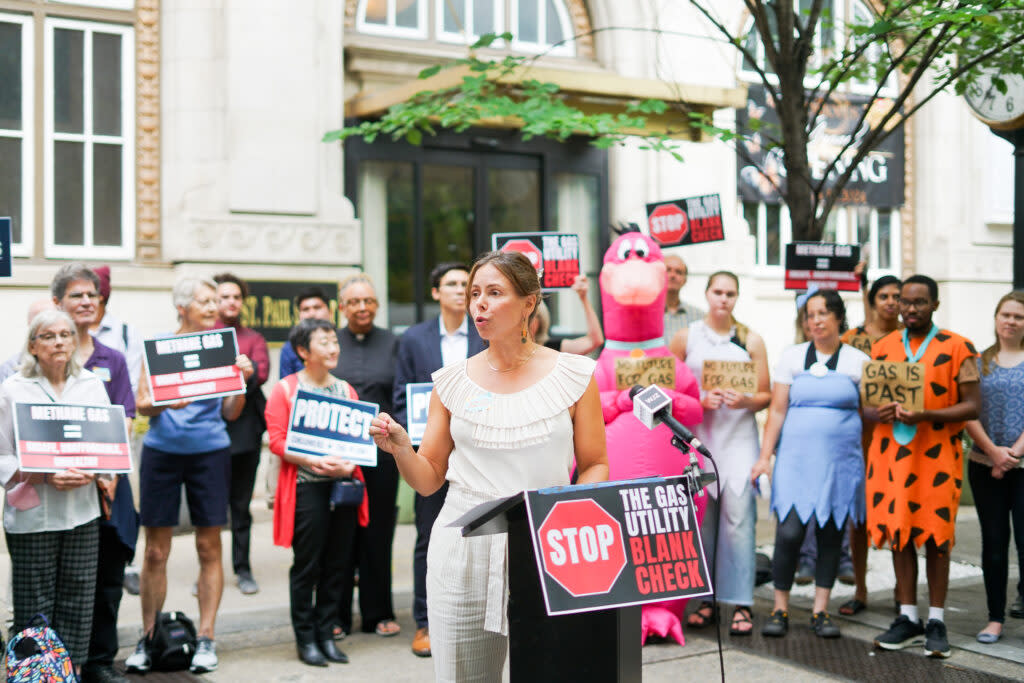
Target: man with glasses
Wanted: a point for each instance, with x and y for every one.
(678, 313)
(247, 431)
(915, 466)
(367, 362)
(76, 291)
(428, 346)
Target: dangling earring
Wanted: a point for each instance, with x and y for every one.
(523, 340)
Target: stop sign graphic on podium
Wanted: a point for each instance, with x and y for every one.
(582, 547)
(668, 224)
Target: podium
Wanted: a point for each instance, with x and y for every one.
(575, 590)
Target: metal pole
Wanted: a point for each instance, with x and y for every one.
(1017, 138)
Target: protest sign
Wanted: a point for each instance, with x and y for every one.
(887, 382)
(822, 265)
(738, 375)
(555, 255)
(417, 400)
(645, 371)
(616, 544)
(5, 246)
(686, 221)
(53, 437)
(193, 366)
(320, 425)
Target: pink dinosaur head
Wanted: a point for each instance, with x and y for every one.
(633, 289)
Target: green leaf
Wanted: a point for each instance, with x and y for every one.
(430, 71)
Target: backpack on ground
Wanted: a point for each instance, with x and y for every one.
(173, 642)
(37, 655)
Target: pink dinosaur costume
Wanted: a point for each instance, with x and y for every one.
(633, 297)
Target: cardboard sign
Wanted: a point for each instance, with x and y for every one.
(330, 425)
(555, 255)
(645, 371)
(5, 246)
(885, 381)
(193, 366)
(616, 544)
(738, 375)
(417, 401)
(822, 265)
(53, 437)
(686, 221)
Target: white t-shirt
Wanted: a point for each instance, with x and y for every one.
(791, 362)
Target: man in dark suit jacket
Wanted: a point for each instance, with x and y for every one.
(423, 349)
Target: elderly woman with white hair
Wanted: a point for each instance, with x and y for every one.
(187, 444)
(51, 520)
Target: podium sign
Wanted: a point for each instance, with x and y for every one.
(616, 544)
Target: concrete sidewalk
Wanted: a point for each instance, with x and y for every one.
(255, 641)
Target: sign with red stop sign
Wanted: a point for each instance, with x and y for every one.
(616, 544)
(555, 255)
(686, 221)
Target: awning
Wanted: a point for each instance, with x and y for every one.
(590, 91)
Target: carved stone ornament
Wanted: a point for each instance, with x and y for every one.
(147, 129)
(265, 239)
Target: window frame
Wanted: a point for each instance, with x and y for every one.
(89, 139)
(469, 37)
(566, 49)
(390, 29)
(102, 4)
(24, 247)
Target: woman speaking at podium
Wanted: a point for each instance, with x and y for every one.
(515, 416)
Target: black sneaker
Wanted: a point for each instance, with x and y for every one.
(936, 644)
(823, 625)
(903, 633)
(777, 624)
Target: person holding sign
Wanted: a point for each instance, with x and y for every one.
(882, 316)
(51, 519)
(915, 471)
(540, 325)
(516, 416)
(187, 443)
(729, 398)
(814, 429)
(319, 532)
(995, 461)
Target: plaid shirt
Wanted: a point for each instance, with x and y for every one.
(681, 319)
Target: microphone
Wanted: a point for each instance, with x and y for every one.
(652, 407)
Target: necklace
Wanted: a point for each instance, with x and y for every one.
(487, 359)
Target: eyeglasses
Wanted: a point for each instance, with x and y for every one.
(203, 303)
(78, 296)
(366, 301)
(915, 303)
(50, 337)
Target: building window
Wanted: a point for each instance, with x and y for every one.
(16, 96)
(88, 140)
(537, 25)
(873, 229)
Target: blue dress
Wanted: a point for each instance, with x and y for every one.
(819, 463)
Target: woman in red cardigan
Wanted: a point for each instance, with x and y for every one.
(320, 535)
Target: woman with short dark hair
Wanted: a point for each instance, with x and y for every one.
(319, 533)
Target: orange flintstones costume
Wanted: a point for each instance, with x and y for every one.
(913, 488)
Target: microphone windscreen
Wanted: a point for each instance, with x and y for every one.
(634, 391)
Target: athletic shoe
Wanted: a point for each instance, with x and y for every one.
(936, 644)
(139, 662)
(823, 625)
(131, 581)
(246, 584)
(903, 633)
(777, 624)
(846, 576)
(804, 574)
(205, 658)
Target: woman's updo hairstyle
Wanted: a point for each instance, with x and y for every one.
(516, 268)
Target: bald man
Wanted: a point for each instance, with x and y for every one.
(678, 314)
(11, 365)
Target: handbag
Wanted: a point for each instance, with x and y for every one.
(347, 492)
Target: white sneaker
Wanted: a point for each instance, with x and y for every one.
(205, 658)
(139, 661)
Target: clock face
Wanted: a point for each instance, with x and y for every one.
(996, 108)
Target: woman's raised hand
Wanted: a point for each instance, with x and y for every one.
(388, 434)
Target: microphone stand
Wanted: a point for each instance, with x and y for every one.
(695, 479)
